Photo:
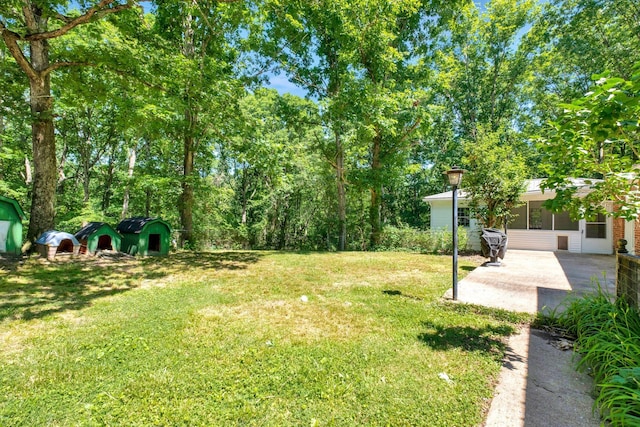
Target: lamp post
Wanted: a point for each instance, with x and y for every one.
(455, 176)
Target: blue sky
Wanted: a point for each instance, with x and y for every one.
(281, 83)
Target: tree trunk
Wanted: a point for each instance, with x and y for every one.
(185, 206)
(187, 198)
(86, 181)
(127, 189)
(244, 201)
(108, 191)
(282, 237)
(36, 66)
(28, 176)
(342, 194)
(376, 193)
(43, 140)
(87, 165)
(147, 203)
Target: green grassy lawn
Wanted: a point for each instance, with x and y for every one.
(245, 338)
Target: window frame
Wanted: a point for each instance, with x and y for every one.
(464, 216)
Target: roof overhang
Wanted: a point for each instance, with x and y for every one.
(532, 190)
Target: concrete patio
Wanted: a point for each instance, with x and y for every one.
(535, 281)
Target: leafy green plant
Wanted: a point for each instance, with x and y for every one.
(620, 396)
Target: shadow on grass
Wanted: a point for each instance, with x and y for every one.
(393, 292)
(205, 260)
(37, 288)
(487, 339)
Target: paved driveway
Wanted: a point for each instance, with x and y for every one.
(532, 281)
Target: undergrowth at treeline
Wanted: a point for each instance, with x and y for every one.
(245, 338)
(608, 339)
(425, 241)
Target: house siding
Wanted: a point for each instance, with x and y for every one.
(539, 240)
(441, 219)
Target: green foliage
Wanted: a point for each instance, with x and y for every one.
(88, 213)
(483, 65)
(398, 90)
(607, 339)
(597, 136)
(495, 178)
(430, 241)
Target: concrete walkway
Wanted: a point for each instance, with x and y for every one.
(538, 385)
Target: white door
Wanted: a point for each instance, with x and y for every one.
(4, 230)
(629, 235)
(596, 235)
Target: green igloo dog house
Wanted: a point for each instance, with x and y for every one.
(11, 217)
(98, 236)
(145, 236)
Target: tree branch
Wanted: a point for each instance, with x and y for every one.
(64, 18)
(59, 65)
(98, 11)
(11, 40)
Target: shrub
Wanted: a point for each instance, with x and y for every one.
(428, 241)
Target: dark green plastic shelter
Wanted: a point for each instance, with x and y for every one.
(144, 236)
(11, 217)
(98, 236)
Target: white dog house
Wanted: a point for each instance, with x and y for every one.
(534, 227)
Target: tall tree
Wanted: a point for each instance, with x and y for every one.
(27, 30)
(390, 109)
(574, 40)
(496, 176)
(273, 169)
(359, 58)
(312, 42)
(203, 42)
(483, 65)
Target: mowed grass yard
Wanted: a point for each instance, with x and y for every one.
(245, 338)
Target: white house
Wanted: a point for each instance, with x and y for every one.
(534, 227)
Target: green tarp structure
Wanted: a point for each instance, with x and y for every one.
(98, 236)
(145, 236)
(11, 217)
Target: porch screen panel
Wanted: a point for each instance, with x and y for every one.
(563, 221)
(539, 217)
(518, 218)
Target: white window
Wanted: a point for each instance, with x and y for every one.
(464, 218)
